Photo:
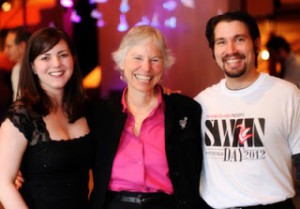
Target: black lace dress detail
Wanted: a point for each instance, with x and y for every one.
(55, 172)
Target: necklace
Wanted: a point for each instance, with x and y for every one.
(140, 114)
(144, 110)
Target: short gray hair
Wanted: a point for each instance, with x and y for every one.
(137, 34)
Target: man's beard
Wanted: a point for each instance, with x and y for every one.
(236, 72)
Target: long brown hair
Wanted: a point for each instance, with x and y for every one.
(30, 91)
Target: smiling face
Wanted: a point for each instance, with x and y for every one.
(234, 49)
(54, 68)
(143, 66)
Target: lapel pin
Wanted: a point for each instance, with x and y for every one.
(183, 122)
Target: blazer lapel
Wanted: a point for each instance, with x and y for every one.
(169, 116)
(119, 122)
(118, 119)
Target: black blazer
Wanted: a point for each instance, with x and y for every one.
(183, 149)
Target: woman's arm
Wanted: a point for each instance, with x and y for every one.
(12, 147)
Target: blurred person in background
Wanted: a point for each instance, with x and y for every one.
(281, 52)
(15, 45)
(5, 83)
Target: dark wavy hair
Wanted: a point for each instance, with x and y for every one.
(244, 17)
(30, 91)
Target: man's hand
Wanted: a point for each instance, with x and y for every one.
(169, 91)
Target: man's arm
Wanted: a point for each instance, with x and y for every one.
(296, 161)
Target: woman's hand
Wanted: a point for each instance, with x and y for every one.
(19, 180)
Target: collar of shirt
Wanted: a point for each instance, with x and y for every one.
(160, 101)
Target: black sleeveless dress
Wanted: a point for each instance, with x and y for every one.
(55, 172)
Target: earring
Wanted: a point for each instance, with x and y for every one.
(122, 75)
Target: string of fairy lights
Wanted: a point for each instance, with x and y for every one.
(169, 5)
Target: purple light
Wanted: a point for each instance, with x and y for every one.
(100, 23)
(188, 3)
(154, 21)
(75, 17)
(144, 21)
(67, 3)
(124, 7)
(171, 22)
(99, 1)
(170, 5)
(96, 14)
(123, 26)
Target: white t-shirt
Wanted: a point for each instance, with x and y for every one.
(249, 137)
